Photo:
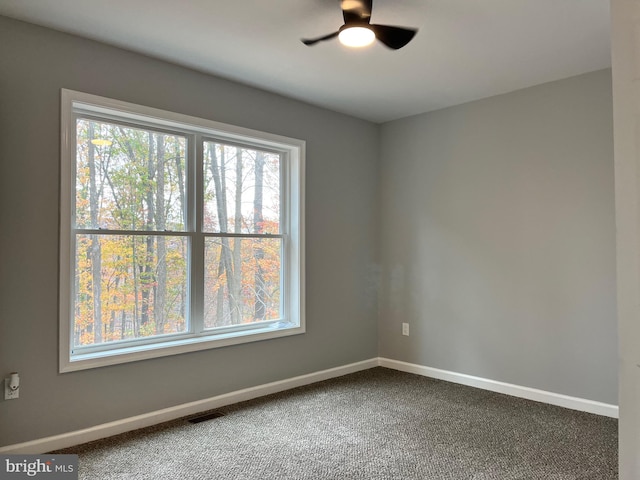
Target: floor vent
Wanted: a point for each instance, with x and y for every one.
(204, 418)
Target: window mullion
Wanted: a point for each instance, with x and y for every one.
(242, 235)
(195, 226)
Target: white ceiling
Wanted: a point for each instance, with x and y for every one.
(464, 49)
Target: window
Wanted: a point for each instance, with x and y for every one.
(177, 233)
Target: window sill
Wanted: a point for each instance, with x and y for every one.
(126, 354)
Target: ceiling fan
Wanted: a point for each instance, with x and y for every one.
(358, 32)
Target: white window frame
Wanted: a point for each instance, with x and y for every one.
(197, 129)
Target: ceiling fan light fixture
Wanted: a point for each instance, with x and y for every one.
(358, 31)
(356, 36)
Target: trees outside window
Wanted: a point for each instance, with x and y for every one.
(177, 233)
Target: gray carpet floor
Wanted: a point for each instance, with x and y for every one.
(375, 424)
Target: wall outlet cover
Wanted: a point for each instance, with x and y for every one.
(8, 393)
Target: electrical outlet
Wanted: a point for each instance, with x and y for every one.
(10, 394)
(405, 329)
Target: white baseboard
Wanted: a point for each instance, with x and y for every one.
(104, 430)
(543, 396)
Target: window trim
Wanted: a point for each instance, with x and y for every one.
(293, 301)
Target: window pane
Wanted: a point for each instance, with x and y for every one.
(242, 280)
(129, 286)
(129, 178)
(241, 190)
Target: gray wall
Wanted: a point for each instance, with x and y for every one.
(495, 221)
(341, 233)
(498, 238)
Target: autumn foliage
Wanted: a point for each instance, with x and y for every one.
(159, 236)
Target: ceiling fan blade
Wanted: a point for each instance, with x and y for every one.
(313, 41)
(356, 11)
(393, 37)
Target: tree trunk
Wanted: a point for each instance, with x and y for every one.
(146, 271)
(219, 182)
(236, 286)
(161, 288)
(136, 288)
(123, 324)
(258, 252)
(183, 209)
(95, 249)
